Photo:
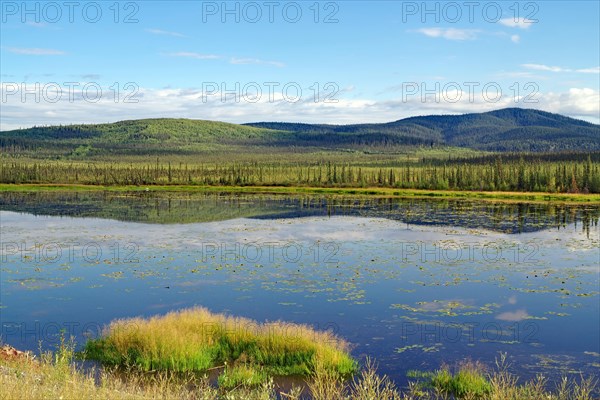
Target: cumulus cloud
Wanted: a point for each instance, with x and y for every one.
(580, 102)
(211, 104)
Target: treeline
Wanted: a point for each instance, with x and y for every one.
(512, 157)
(580, 176)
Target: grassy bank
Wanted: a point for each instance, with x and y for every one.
(54, 376)
(374, 191)
(196, 340)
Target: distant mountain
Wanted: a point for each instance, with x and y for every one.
(157, 130)
(510, 129)
(149, 137)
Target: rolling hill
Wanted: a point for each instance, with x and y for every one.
(159, 136)
(510, 129)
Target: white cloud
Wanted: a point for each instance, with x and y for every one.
(520, 74)
(256, 61)
(197, 56)
(521, 23)
(583, 103)
(233, 60)
(450, 33)
(167, 33)
(542, 67)
(35, 51)
(595, 70)
(515, 38)
(579, 102)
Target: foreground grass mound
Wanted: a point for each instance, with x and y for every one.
(197, 340)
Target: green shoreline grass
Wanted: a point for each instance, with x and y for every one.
(163, 357)
(540, 197)
(54, 376)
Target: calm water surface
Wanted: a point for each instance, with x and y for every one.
(411, 283)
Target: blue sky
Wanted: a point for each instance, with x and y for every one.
(307, 61)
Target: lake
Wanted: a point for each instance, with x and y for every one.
(411, 283)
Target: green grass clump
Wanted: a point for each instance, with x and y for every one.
(468, 382)
(242, 375)
(196, 339)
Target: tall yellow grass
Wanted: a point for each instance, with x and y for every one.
(196, 339)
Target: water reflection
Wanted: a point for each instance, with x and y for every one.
(412, 283)
(169, 208)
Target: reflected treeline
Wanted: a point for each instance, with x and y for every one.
(178, 207)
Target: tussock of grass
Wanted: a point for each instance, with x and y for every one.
(242, 375)
(468, 382)
(196, 339)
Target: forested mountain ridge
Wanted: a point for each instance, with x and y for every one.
(510, 129)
